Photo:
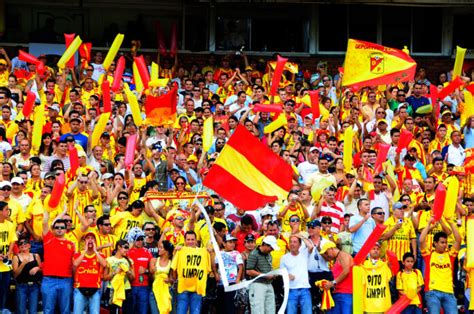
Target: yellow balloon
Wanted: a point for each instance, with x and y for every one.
(154, 71)
(135, 107)
(137, 79)
(99, 129)
(451, 197)
(347, 157)
(208, 134)
(358, 292)
(70, 51)
(275, 125)
(113, 51)
(458, 62)
(39, 121)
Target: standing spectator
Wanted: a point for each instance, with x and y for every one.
(141, 258)
(160, 268)
(7, 241)
(361, 225)
(329, 207)
(262, 296)
(410, 279)
(190, 266)
(88, 266)
(27, 273)
(342, 272)
(296, 262)
(439, 263)
(56, 287)
(233, 265)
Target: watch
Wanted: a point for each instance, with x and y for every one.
(334, 283)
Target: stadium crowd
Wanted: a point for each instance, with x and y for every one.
(131, 239)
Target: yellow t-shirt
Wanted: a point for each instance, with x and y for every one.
(439, 270)
(35, 213)
(399, 243)
(377, 296)
(285, 222)
(138, 183)
(16, 212)
(114, 263)
(192, 266)
(124, 221)
(202, 232)
(103, 240)
(7, 238)
(410, 282)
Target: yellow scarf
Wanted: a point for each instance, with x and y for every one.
(118, 286)
(327, 303)
(161, 290)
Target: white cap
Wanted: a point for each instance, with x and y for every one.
(266, 211)
(4, 184)
(272, 241)
(17, 180)
(313, 149)
(107, 175)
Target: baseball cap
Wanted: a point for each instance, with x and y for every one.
(107, 175)
(157, 146)
(3, 61)
(446, 112)
(54, 107)
(17, 180)
(312, 149)
(266, 212)
(398, 205)
(75, 119)
(4, 184)
(89, 233)
(229, 237)
(192, 158)
(382, 121)
(249, 237)
(313, 223)
(50, 175)
(271, 241)
(326, 246)
(134, 233)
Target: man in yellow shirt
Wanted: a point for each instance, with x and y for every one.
(17, 217)
(439, 263)
(34, 219)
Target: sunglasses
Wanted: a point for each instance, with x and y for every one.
(92, 211)
(59, 228)
(150, 229)
(326, 222)
(122, 198)
(381, 213)
(140, 239)
(126, 247)
(107, 225)
(220, 143)
(83, 182)
(23, 243)
(180, 183)
(179, 218)
(6, 189)
(294, 220)
(401, 95)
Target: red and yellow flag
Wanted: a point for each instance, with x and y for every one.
(469, 160)
(371, 64)
(248, 174)
(161, 110)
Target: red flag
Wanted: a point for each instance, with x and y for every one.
(161, 110)
(248, 174)
(277, 75)
(381, 156)
(452, 86)
(105, 86)
(85, 53)
(174, 40)
(69, 39)
(314, 96)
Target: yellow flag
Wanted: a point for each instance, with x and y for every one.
(348, 144)
(372, 64)
(208, 134)
(460, 52)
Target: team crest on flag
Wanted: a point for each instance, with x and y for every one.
(376, 63)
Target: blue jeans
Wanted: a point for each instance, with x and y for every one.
(343, 304)
(56, 291)
(301, 297)
(153, 305)
(81, 302)
(189, 300)
(140, 297)
(4, 287)
(27, 298)
(412, 309)
(435, 300)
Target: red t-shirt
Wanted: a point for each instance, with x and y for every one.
(87, 274)
(240, 245)
(140, 257)
(58, 255)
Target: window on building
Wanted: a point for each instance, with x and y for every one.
(462, 36)
(332, 28)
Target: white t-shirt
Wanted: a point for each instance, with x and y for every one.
(306, 169)
(298, 267)
(456, 155)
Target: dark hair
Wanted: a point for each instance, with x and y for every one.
(246, 220)
(219, 226)
(190, 232)
(169, 247)
(394, 131)
(375, 209)
(439, 235)
(3, 204)
(359, 202)
(101, 219)
(408, 255)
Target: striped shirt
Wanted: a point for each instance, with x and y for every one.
(260, 262)
(336, 212)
